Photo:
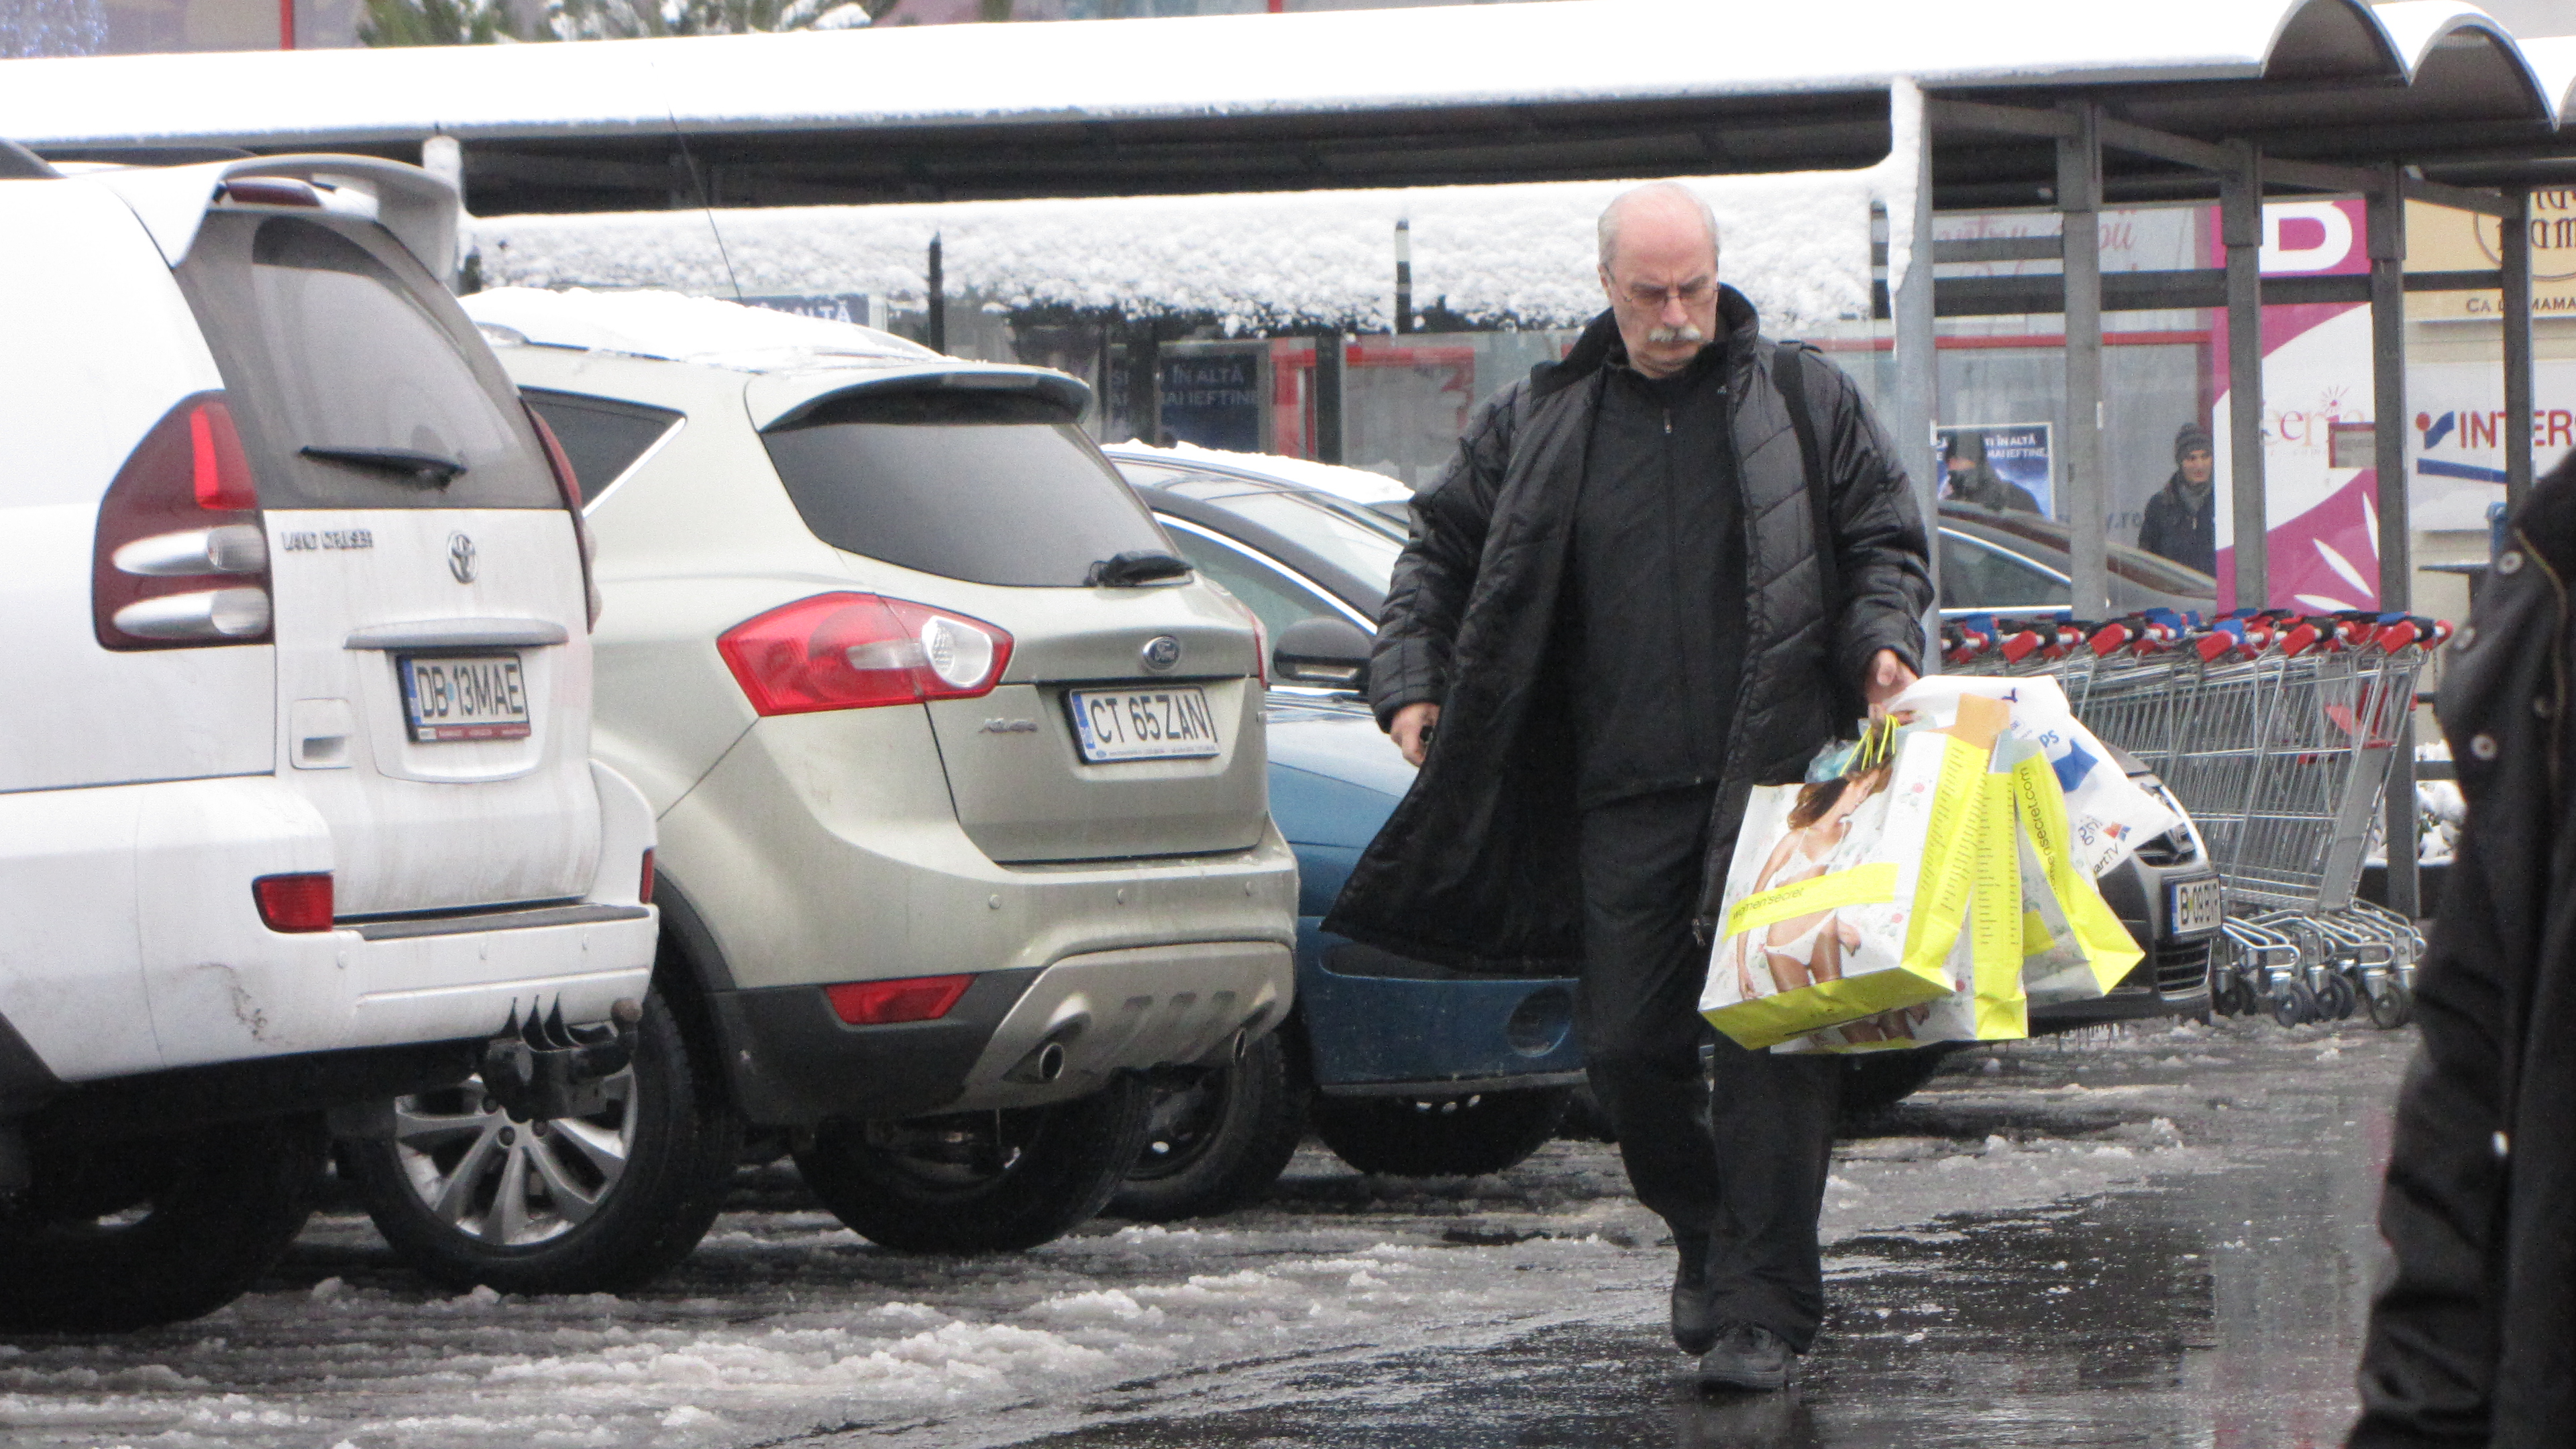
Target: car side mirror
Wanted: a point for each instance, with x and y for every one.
(1325, 653)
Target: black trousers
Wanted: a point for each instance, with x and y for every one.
(1740, 1166)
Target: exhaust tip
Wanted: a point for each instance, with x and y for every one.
(1050, 1062)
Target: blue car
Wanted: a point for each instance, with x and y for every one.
(1399, 1066)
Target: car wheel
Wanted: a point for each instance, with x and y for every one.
(1873, 1082)
(1440, 1137)
(1218, 1142)
(467, 1193)
(979, 1182)
(124, 1235)
(2390, 1004)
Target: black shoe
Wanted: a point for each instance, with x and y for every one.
(1746, 1356)
(1694, 1327)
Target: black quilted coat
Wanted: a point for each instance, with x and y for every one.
(1476, 867)
(2473, 1339)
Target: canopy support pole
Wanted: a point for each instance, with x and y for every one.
(2079, 202)
(1918, 378)
(2241, 229)
(2518, 383)
(2396, 535)
(1329, 351)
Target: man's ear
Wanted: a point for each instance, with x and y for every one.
(1607, 288)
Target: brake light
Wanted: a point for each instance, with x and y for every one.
(294, 903)
(883, 1003)
(859, 651)
(568, 484)
(180, 557)
(270, 191)
(644, 891)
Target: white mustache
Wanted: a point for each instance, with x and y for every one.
(1684, 333)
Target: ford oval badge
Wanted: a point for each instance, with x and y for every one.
(1160, 653)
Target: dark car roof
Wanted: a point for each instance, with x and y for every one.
(2047, 542)
(1198, 495)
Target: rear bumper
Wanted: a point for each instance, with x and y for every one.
(795, 1062)
(1381, 1023)
(190, 977)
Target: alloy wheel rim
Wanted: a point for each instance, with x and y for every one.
(509, 1183)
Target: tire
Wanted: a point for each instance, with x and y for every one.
(1456, 1137)
(1873, 1082)
(2229, 996)
(2295, 1004)
(586, 1222)
(2390, 1005)
(980, 1182)
(1218, 1143)
(2337, 1000)
(218, 1206)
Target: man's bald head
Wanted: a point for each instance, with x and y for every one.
(1659, 268)
(1660, 206)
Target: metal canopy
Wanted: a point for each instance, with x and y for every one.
(1571, 90)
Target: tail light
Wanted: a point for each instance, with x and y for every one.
(858, 651)
(883, 1003)
(568, 484)
(644, 889)
(294, 903)
(180, 559)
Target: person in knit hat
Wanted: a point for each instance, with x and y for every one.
(2182, 519)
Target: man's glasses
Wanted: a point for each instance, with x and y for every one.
(1652, 299)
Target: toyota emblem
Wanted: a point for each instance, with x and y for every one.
(1161, 653)
(460, 557)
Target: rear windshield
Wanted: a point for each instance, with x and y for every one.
(992, 488)
(332, 338)
(601, 437)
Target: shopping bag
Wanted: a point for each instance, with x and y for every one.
(1847, 896)
(1985, 1000)
(2108, 814)
(2088, 950)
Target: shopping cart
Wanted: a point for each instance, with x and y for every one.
(2276, 733)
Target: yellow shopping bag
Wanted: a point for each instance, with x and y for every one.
(2102, 951)
(1847, 898)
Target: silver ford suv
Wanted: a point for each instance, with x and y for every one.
(959, 772)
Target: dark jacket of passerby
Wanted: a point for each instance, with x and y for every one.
(1478, 863)
(2180, 527)
(2473, 1341)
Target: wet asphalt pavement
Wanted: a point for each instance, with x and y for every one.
(2161, 1237)
(2218, 1309)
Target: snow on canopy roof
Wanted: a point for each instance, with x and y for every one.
(1205, 67)
(1797, 245)
(681, 328)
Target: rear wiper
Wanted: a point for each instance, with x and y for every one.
(1141, 566)
(430, 470)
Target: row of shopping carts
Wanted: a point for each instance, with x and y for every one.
(2275, 732)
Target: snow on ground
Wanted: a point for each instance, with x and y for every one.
(785, 1322)
(1797, 244)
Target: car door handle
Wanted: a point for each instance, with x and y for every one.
(458, 634)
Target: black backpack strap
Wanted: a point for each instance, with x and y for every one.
(1789, 374)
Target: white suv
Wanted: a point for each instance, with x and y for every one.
(296, 802)
(959, 774)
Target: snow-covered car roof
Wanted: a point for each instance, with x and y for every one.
(648, 322)
(796, 361)
(1355, 485)
(1249, 66)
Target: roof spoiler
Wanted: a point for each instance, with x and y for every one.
(1065, 391)
(419, 208)
(17, 163)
